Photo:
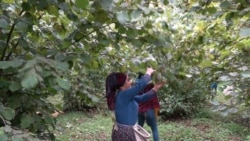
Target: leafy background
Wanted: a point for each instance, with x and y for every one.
(67, 47)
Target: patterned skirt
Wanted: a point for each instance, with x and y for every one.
(123, 132)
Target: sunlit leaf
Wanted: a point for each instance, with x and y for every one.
(105, 3)
(205, 63)
(245, 32)
(8, 1)
(94, 64)
(144, 9)
(122, 17)
(82, 3)
(136, 14)
(94, 98)
(53, 10)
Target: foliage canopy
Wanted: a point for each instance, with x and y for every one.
(50, 47)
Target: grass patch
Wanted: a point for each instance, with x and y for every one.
(79, 126)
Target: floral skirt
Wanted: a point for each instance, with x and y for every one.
(123, 132)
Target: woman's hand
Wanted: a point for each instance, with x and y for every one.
(158, 85)
(150, 71)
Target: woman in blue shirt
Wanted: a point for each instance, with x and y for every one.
(123, 99)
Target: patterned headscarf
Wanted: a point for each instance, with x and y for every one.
(113, 82)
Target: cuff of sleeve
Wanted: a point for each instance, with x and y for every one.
(153, 91)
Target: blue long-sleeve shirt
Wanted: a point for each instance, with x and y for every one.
(126, 106)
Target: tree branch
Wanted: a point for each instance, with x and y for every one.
(77, 40)
(3, 120)
(8, 38)
(15, 46)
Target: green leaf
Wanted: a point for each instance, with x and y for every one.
(24, 44)
(166, 2)
(7, 128)
(224, 4)
(72, 16)
(136, 14)
(49, 120)
(3, 24)
(215, 103)
(105, 3)
(63, 84)
(3, 136)
(26, 120)
(233, 110)
(14, 86)
(42, 5)
(53, 10)
(30, 81)
(8, 1)
(131, 33)
(5, 64)
(122, 17)
(17, 138)
(7, 113)
(245, 32)
(8, 64)
(144, 9)
(2, 45)
(83, 4)
(205, 63)
(30, 64)
(25, 6)
(62, 66)
(21, 26)
(16, 63)
(211, 10)
(94, 98)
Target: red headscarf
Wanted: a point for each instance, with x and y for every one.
(113, 82)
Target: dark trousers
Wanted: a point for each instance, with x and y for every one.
(150, 118)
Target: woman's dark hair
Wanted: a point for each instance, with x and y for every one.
(113, 82)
